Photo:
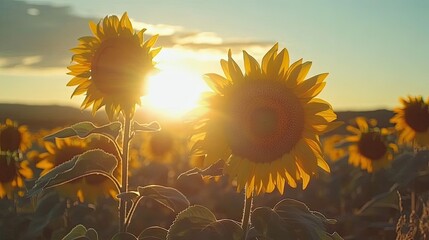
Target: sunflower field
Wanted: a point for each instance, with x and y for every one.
(261, 158)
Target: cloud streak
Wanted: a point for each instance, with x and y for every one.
(40, 36)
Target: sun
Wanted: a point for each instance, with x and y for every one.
(174, 91)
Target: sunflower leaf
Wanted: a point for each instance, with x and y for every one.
(84, 129)
(146, 127)
(198, 222)
(167, 196)
(128, 196)
(291, 219)
(153, 233)
(216, 169)
(90, 162)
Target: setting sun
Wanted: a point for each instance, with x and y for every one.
(174, 91)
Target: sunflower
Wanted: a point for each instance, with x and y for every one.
(88, 188)
(111, 67)
(14, 139)
(369, 147)
(12, 175)
(330, 149)
(412, 121)
(266, 122)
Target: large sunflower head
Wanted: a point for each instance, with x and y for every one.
(369, 146)
(112, 66)
(265, 122)
(412, 121)
(12, 175)
(14, 139)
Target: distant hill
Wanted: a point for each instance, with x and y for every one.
(49, 116)
(46, 116)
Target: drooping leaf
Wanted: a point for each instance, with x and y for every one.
(291, 219)
(198, 222)
(153, 233)
(84, 129)
(146, 127)
(167, 196)
(90, 162)
(379, 203)
(124, 236)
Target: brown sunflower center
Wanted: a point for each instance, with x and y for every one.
(95, 179)
(417, 116)
(10, 139)
(372, 146)
(161, 143)
(265, 120)
(8, 171)
(119, 67)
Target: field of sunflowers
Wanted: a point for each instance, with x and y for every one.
(261, 158)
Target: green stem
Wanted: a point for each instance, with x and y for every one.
(124, 187)
(247, 209)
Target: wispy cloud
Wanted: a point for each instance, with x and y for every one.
(38, 37)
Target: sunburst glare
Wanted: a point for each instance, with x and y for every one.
(174, 91)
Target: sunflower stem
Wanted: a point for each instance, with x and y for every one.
(124, 187)
(247, 209)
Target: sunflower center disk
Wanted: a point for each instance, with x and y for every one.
(372, 146)
(118, 67)
(10, 139)
(7, 171)
(417, 117)
(266, 120)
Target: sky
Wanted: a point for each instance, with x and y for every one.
(374, 51)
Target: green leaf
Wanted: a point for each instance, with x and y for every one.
(153, 233)
(90, 162)
(124, 236)
(410, 167)
(290, 219)
(167, 196)
(76, 233)
(198, 222)
(146, 127)
(84, 129)
(379, 203)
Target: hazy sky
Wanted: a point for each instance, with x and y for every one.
(375, 50)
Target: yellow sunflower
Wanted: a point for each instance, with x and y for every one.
(111, 67)
(88, 188)
(14, 139)
(12, 175)
(331, 151)
(412, 121)
(265, 122)
(370, 148)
